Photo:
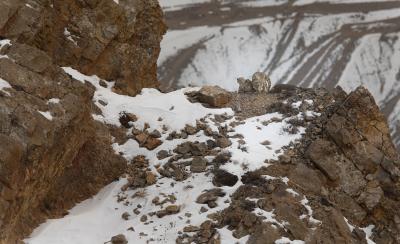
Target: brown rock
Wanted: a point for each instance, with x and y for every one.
(210, 196)
(223, 142)
(126, 118)
(191, 228)
(198, 165)
(141, 138)
(224, 178)
(214, 96)
(320, 152)
(119, 239)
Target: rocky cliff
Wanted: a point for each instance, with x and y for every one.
(52, 153)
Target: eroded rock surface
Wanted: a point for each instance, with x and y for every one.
(53, 154)
(119, 42)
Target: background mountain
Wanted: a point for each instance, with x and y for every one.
(311, 43)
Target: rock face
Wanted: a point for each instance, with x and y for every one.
(346, 167)
(118, 42)
(52, 153)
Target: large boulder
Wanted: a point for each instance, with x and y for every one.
(214, 96)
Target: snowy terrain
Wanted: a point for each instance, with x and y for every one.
(82, 225)
(310, 43)
(96, 220)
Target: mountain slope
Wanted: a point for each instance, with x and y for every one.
(306, 43)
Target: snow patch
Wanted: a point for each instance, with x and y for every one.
(46, 114)
(4, 84)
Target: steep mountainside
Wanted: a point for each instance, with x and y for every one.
(291, 166)
(310, 43)
(53, 154)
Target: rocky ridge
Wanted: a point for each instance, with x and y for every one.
(289, 165)
(268, 166)
(53, 154)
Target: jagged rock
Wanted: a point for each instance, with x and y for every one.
(371, 197)
(147, 140)
(43, 152)
(320, 152)
(214, 96)
(152, 143)
(122, 45)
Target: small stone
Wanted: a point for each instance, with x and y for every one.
(270, 188)
(266, 143)
(119, 239)
(125, 216)
(190, 130)
(126, 118)
(143, 218)
(198, 165)
(155, 134)
(173, 209)
(163, 154)
(102, 102)
(285, 159)
(203, 209)
(191, 228)
(210, 195)
(212, 204)
(224, 178)
(103, 83)
(223, 142)
(141, 138)
(152, 143)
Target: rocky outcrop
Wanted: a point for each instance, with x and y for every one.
(116, 41)
(52, 153)
(342, 177)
